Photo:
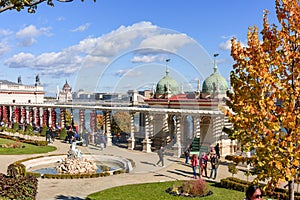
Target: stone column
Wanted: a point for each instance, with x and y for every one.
(45, 117)
(93, 125)
(50, 123)
(11, 115)
(197, 126)
(151, 126)
(23, 115)
(107, 121)
(147, 142)
(37, 117)
(17, 116)
(62, 118)
(131, 140)
(6, 114)
(1, 113)
(53, 117)
(31, 116)
(177, 145)
(166, 124)
(81, 120)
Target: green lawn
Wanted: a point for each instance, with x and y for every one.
(156, 191)
(28, 149)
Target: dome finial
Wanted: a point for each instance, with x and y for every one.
(215, 62)
(167, 69)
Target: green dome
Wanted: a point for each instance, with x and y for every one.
(215, 80)
(167, 85)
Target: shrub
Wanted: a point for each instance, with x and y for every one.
(192, 188)
(23, 187)
(16, 170)
(120, 171)
(29, 130)
(14, 145)
(44, 130)
(63, 134)
(16, 127)
(232, 169)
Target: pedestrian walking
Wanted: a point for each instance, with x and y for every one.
(85, 137)
(194, 163)
(214, 166)
(160, 153)
(187, 153)
(203, 159)
(217, 149)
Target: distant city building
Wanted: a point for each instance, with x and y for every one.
(64, 95)
(19, 93)
(83, 96)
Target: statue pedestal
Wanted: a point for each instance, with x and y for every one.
(131, 143)
(177, 150)
(109, 139)
(147, 145)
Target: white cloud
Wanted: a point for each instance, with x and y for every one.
(60, 18)
(20, 60)
(127, 72)
(225, 45)
(32, 31)
(27, 42)
(113, 43)
(101, 50)
(170, 42)
(28, 34)
(144, 59)
(5, 32)
(4, 48)
(81, 28)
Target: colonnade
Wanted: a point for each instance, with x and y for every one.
(169, 123)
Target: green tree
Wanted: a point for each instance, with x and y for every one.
(68, 118)
(264, 104)
(120, 122)
(31, 5)
(62, 134)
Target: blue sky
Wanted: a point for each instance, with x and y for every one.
(113, 46)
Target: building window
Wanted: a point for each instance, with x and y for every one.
(29, 101)
(14, 101)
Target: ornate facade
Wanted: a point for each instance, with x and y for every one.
(64, 95)
(20, 93)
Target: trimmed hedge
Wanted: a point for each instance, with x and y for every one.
(33, 142)
(75, 176)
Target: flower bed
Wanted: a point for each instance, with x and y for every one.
(190, 188)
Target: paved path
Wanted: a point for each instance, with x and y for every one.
(144, 171)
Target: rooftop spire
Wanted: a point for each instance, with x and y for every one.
(215, 62)
(167, 69)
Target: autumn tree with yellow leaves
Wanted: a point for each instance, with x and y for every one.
(265, 99)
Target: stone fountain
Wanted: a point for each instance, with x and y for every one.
(74, 163)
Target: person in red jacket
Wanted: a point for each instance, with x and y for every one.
(194, 163)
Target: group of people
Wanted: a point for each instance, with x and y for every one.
(101, 140)
(50, 135)
(72, 135)
(202, 161)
